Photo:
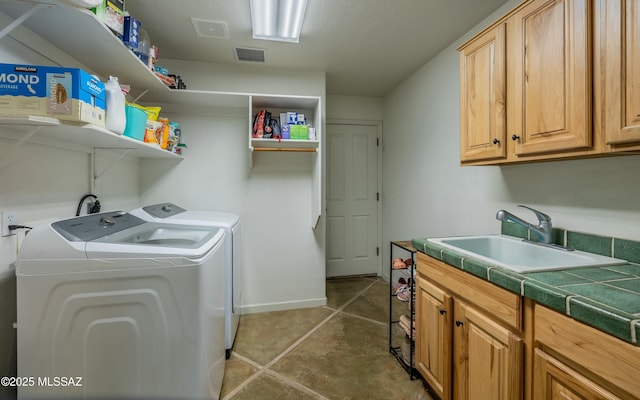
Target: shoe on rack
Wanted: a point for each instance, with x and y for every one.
(398, 264)
(400, 284)
(405, 323)
(404, 294)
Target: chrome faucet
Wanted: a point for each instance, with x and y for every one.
(544, 222)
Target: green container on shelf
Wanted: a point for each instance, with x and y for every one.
(299, 132)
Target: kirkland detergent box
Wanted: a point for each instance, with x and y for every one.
(68, 94)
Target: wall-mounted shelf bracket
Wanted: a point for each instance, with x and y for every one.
(18, 21)
(140, 96)
(97, 175)
(11, 150)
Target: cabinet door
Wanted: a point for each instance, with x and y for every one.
(487, 358)
(433, 337)
(555, 381)
(550, 77)
(618, 53)
(482, 97)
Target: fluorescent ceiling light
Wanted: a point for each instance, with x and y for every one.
(279, 20)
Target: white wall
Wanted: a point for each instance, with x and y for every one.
(355, 108)
(284, 257)
(421, 158)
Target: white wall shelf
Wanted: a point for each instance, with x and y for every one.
(284, 145)
(88, 40)
(311, 107)
(55, 132)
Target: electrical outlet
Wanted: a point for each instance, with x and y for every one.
(9, 217)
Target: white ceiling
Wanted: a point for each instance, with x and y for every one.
(366, 47)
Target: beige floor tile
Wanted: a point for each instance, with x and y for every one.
(372, 304)
(348, 358)
(261, 337)
(236, 371)
(341, 290)
(268, 388)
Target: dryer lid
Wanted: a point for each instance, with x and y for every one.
(163, 210)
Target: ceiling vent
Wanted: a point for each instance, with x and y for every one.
(210, 29)
(247, 54)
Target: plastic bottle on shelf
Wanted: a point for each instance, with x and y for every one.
(116, 119)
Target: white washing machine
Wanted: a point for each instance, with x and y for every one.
(172, 214)
(111, 306)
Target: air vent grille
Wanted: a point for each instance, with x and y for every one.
(246, 54)
(210, 29)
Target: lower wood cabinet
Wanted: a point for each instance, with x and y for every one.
(556, 381)
(478, 341)
(487, 357)
(575, 361)
(463, 352)
(433, 336)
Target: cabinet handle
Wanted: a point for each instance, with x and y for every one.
(515, 137)
(496, 141)
(459, 323)
(442, 311)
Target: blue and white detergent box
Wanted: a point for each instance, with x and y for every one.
(68, 94)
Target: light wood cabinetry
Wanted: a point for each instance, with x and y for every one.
(556, 381)
(576, 361)
(483, 119)
(467, 338)
(488, 357)
(617, 73)
(571, 72)
(433, 336)
(475, 340)
(550, 81)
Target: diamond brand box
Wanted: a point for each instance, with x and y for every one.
(68, 94)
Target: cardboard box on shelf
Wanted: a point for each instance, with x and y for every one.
(69, 94)
(131, 32)
(111, 13)
(299, 132)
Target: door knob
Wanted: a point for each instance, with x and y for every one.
(496, 141)
(515, 137)
(442, 311)
(459, 323)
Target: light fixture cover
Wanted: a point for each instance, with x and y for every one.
(279, 20)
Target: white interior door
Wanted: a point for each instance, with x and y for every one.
(352, 200)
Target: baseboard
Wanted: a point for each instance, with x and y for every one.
(285, 305)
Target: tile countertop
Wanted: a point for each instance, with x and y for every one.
(605, 297)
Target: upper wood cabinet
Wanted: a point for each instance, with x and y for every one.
(617, 72)
(526, 85)
(550, 77)
(483, 119)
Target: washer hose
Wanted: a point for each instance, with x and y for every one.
(95, 208)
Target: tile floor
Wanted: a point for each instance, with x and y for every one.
(339, 351)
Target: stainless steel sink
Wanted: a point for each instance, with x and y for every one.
(519, 255)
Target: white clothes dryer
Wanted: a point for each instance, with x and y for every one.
(170, 213)
(111, 306)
